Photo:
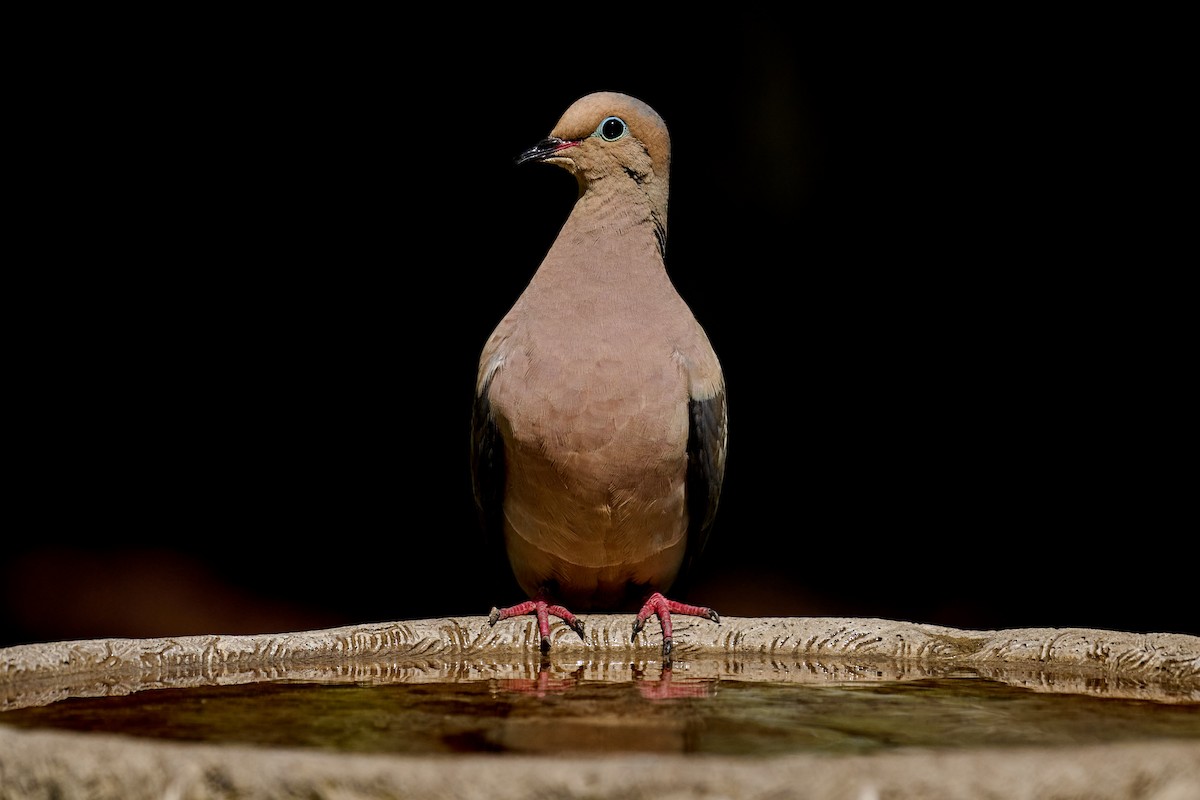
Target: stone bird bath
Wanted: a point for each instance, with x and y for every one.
(860, 709)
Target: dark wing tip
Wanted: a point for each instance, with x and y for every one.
(706, 468)
(487, 464)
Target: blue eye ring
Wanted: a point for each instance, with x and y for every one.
(611, 128)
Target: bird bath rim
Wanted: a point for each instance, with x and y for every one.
(1162, 667)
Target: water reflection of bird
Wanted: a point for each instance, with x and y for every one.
(598, 433)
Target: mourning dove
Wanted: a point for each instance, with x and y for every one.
(598, 431)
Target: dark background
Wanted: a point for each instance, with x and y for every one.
(939, 265)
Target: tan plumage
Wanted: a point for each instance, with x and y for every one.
(599, 425)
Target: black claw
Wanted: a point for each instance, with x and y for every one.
(494, 617)
(545, 644)
(578, 628)
(667, 645)
(714, 617)
(637, 628)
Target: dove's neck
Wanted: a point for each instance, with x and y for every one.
(611, 237)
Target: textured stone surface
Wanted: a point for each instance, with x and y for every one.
(36, 764)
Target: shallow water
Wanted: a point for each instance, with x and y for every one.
(671, 711)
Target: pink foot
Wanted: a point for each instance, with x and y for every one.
(543, 612)
(661, 607)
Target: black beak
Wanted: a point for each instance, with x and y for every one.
(543, 149)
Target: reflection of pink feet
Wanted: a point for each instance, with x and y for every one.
(543, 684)
(661, 607)
(543, 612)
(664, 689)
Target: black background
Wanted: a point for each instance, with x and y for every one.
(260, 259)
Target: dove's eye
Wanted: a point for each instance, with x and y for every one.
(612, 128)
